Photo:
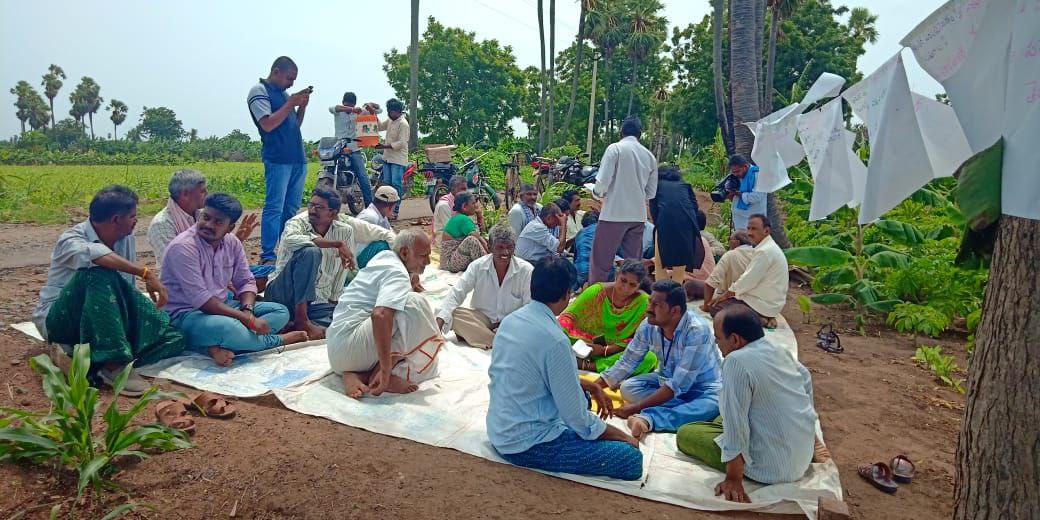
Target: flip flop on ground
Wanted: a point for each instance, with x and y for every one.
(879, 475)
(174, 414)
(902, 469)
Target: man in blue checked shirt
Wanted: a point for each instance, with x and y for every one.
(686, 385)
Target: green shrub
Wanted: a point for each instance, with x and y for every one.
(65, 436)
(918, 319)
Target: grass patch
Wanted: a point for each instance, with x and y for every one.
(59, 194)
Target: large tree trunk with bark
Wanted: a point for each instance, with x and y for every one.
(998, 456)
(52, 112)
(90, 115)
(743, 82)
(413, 80)
(720, 90)
(576, 70)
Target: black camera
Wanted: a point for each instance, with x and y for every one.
(727, 184)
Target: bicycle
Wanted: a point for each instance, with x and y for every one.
(512, 179)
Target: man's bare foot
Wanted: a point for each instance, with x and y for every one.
(313, 330)
(638, 427)
(296, 336)
(354, 386)
(400, 386)
(820, 452)
(221, 355)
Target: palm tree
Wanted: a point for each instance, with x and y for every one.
(86, 101)
(780, 10)
(118, 109)
(39, 113)
(579, 51)
(720, 91)
(52, 82)
(413, 80)
(541, 92)
(552, 70)
(605, 30)
(647, 34)
(22, 102)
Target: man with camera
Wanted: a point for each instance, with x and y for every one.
(739, 187)
(278, 116)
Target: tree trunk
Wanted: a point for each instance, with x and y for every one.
(413, 80)
(742, 81)
(22, 121)
(632, 85)
(541, 96)
(774, 28)
(552, 72)
(998, 455)
(760, 29)
(90, 116)
(606, 94)
(576, 69)
(52, 112)
(115, 131)
(720, 91)
(592, 110)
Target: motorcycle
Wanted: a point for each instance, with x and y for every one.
(476, 181)
(336, 174)
(566, 169)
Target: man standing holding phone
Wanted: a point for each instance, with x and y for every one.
(278, 116)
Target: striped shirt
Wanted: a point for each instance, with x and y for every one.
(767, 412)
(331, 274)
(689, 362)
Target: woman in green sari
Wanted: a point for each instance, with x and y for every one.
(606, 315)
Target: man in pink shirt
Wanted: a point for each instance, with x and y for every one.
(200, 265)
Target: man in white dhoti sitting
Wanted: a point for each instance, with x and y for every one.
(383, 336)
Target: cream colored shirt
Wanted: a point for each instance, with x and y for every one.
(397, 139)
(331, 274)
(763, 286)
(441, 214)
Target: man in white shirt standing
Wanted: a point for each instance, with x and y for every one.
(763, 285)
(500, 283)
(395, 148)
(627, 179)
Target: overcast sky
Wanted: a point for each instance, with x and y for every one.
(201, 57)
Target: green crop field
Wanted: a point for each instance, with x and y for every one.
(54, 194)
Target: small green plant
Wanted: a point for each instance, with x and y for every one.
(972, 321)
(942, 366)
(806, 306)
(65, 435)
(918, 319)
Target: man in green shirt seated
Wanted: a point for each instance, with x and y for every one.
(461, 242)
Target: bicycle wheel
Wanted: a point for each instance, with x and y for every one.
(512, 188)
(539, 183)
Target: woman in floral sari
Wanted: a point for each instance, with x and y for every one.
(611, 311)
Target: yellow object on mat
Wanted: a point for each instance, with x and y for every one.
(614, 394)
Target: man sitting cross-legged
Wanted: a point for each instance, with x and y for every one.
(762, 285)
(685, 386)
(730, 266)
(538, 415)
(90, 297)
(200, 265)
(537, 241)
(383, 336)
(767, 430)
(500, 283)
(314, 256)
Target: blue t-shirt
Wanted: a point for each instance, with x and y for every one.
(284, 144)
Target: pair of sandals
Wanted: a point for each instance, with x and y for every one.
(177, 413)
(828, 340)
(885, 476)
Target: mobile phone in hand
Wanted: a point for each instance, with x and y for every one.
(599, 340)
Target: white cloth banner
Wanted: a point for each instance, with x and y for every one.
(899, 163)
(838, 174)
(775, 136)
(944, 138)
(1020, 195)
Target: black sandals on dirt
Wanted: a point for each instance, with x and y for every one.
(879, 475)
(828, 340)
(902, 469)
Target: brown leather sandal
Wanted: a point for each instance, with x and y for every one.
(214, 405)
(173, 413)
(879, 475)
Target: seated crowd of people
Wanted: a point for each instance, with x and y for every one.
(355, 282)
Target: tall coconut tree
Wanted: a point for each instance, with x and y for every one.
(579, 52)
(605, 30)
(118, 110)
(646, 34)
(413, 80)
(726, 130)
(22, 103)
(541, 90)
(86, 101)
(52, 83)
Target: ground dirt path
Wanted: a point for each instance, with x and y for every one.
(269, 462)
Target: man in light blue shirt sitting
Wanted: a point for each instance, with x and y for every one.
(767, 403)
(537, 241)
(538, 416)
(686, 384)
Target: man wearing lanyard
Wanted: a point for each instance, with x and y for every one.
(685, 386)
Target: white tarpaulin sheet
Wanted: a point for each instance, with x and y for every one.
(899, 163)
(943, 136)
(838, 174)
